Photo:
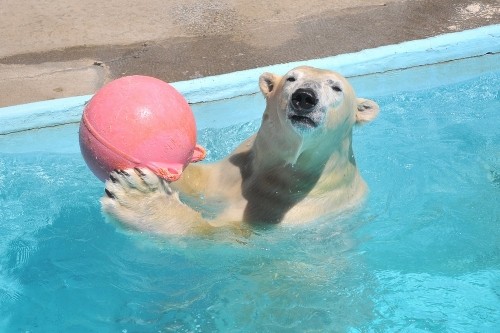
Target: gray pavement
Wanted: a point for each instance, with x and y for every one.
(53, 49)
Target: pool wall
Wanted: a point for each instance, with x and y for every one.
(362, 68)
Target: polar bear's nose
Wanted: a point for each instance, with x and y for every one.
(304, 99)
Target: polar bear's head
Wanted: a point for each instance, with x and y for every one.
(312, 110)
(310, 102)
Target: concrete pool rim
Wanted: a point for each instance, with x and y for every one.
(411, 54)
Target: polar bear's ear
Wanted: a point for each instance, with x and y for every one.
(268, 82)
(367, 110)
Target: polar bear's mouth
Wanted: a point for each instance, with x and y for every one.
(302, 121)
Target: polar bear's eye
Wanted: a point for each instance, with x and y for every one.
(336, 88)
(334, 85)
(290, 79)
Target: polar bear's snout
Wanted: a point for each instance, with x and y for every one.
(304, 112)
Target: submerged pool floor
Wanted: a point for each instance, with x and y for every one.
(422, 254)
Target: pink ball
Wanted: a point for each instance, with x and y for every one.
(139, 121)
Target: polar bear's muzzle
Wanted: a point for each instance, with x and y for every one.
(302, 111)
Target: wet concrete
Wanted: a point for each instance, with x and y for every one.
(52, 50)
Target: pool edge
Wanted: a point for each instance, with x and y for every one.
(438, 49)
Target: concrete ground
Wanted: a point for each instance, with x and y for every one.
(54, 49)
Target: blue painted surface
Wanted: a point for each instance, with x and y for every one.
(439, 49)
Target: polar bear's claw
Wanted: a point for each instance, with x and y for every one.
(112, 178)
(109, 194)
(139, 172)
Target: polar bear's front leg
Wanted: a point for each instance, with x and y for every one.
(143, 201)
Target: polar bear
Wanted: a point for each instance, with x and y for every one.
(298, 166)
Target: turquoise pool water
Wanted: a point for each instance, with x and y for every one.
(422, 254)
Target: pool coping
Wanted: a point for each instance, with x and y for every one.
(410, 54)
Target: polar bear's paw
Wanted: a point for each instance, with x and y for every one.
(141, 200)
(132, 182)
(134, 196)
